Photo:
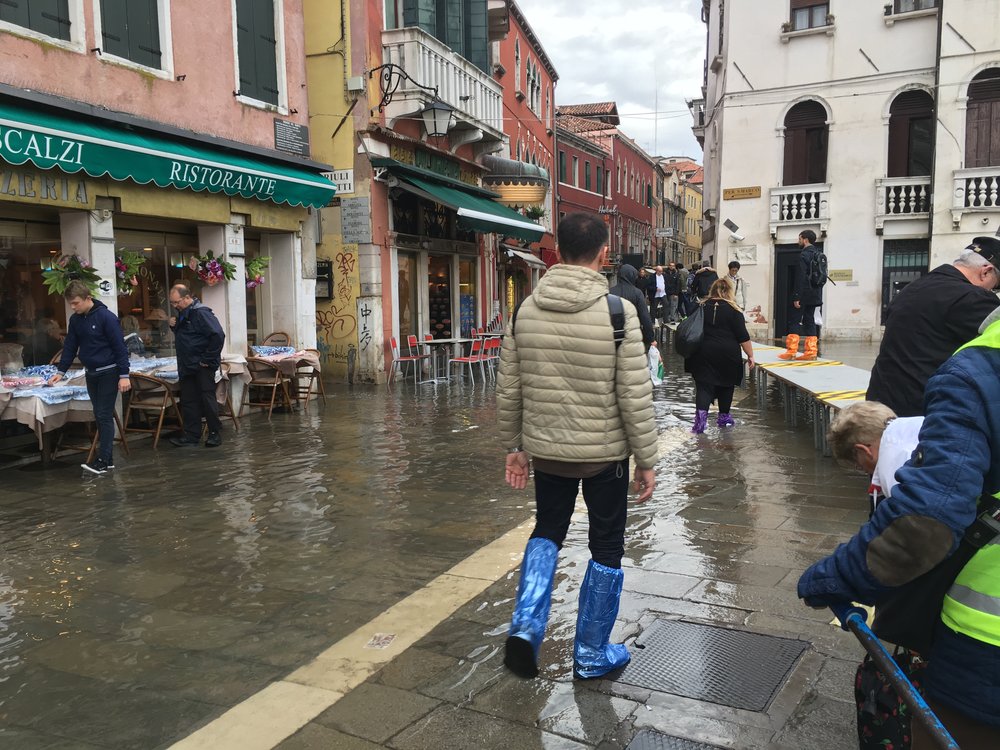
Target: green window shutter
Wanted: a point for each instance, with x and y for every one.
(49, 17)
(144, 32)
(131, 29)
(421, 13)
(114, 27)
(265, 51)
(257, 49)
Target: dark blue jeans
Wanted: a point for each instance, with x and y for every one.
(102, 387)
(606, 496)
(804, 320)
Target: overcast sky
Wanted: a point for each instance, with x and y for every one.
(628, 51)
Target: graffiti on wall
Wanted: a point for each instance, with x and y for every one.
(365, 333)
(336, 319)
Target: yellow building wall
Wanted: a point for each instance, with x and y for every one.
(332, 138)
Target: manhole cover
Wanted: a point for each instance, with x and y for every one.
(707, 663)
(647, 739)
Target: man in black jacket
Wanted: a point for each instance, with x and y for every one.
(626, 288)
(198, 339)
(931, 318)
(806, 299)
(704, 277)
(673, 283)
(95, 335)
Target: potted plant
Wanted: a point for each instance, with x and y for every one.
(127, 265)
(535, 213)
(255, 271)
(67, 268)
(212, 270)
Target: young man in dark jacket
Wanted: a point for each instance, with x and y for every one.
(703, 279)
(626, 288)
(806, 299)
(673, 283)
(198, 339)
(95, 336)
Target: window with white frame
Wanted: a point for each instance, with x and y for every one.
(131, 30)
(908, 6)
(257, 50)
(46, 17)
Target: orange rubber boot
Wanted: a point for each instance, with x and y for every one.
(811, 349)
(791, 346)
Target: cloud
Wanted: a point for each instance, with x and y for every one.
(647, 55)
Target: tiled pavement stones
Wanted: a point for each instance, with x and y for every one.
(139, 607)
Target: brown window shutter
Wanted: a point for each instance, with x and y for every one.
(796, 4)
(806, 114)
(913, 103)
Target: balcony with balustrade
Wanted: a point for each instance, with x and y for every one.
(476, 98)
(799, 205)
(900, 198)
(975, 191)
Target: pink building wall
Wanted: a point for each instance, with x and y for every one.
(202, 42)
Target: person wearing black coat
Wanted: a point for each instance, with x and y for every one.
(626, 288)
(198, 339)
(717, 365)
(703, 279)
(673, 284)
(806, 299)
(927, 321)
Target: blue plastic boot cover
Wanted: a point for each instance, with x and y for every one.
(593, 656)
(700, 421)
(534, 592)
(725, 420)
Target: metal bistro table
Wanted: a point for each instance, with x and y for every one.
(433, 344)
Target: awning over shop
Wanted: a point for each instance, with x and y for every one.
(476, 212)
(529, 258)
(52, 141)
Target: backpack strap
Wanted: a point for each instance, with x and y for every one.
(615, 308)
(617, 311)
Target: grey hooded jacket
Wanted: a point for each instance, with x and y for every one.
(626, 289)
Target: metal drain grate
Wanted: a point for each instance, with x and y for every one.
(647, 739)
(707, 663)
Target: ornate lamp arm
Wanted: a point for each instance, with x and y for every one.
(390, 77)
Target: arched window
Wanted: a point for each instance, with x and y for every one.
(911, 135)
(806, 135)
(982, 128)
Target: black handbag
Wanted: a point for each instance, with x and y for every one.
(690, 333)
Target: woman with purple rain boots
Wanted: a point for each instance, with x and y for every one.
(717, 365)
(574, 398)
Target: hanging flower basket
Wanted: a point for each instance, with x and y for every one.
(127, 265)
(67, 268)
(255, 271)
(212, 270)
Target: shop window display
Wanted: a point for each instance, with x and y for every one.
(439, 296)
(467, 296)
(32, 322)
(407, 291)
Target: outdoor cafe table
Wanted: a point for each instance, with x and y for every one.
(434, 343)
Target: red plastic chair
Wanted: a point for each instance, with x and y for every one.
(398, 359)
(475, 358)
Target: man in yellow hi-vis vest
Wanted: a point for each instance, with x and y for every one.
(936, 501)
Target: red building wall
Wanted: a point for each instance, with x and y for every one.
(633, 192)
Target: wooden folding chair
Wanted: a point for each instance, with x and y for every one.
(265, 376)
(151, 395)
(277, 338)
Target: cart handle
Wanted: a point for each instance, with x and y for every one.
(855, 620)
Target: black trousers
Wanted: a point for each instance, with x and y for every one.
(606, 496)
(198, 402)
(102, 387)
(806, 324)
(705, 394)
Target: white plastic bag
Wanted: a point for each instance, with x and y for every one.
(655, 364)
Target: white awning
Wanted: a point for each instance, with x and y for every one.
(532, 260)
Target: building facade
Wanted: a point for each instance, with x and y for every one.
(415, 238)
(873, 125)
(193, 139)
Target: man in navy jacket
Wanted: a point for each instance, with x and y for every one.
(198, 339)
(95, 335)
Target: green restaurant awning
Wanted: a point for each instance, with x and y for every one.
(475, 212)
(52, 141)
(476, 209)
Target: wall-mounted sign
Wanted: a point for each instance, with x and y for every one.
(840, 274)
(291, 137)
(664, 232)
(343, 179)
(356, 223)
(607, 209)
(740, 193)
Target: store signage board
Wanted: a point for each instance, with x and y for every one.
(355, 216)
(291, 137)
(840, 274)
(664, 232)
(343, 179)
(741, 193)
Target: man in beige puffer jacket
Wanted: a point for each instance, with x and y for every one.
(579, 404)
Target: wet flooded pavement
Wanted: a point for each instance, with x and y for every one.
(139, 607)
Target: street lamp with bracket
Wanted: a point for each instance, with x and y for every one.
(438, 117)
